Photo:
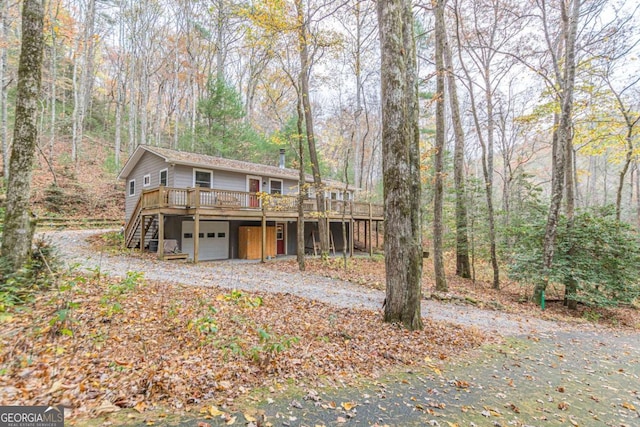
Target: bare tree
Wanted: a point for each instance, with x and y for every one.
(438, 156)
(565, 80)
(463, 268)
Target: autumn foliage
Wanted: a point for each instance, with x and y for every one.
(97, 345)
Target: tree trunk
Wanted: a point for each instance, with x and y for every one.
(305, 67)
(438, 157)
(463, 268)
(18, 227)
(627, 162)
(637, 196)
(54, 76)
(4, 133)
(561, 138)
(400, 151)
(301, 186)
(571, 285)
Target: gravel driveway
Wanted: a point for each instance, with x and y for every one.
(547, 374)
(253, 276)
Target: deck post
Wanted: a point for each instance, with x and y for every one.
(370, 230)
(142, 232)
(264, 236)
(161, 196)
(351, 236)
(161, 235)
(196, 233)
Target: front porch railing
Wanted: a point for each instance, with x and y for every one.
(189, 198)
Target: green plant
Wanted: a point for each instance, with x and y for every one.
(592, 316)
(598, 254)
(242, 299)
(39, 273)
(270, 345)
(62, 320)
(112, 299)
(207, 324)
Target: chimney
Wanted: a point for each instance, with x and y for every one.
(282, 151)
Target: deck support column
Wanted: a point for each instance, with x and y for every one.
(264, 237)
(161, 236)
(370, 231)
(196, 235)
(351, 236)
(142, 232)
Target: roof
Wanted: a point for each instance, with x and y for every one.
(218, 163)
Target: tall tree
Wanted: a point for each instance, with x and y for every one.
(401, 163)
(306, 62)
(4, 83)
(565, 81)
(463, 267)
(438, 156)
(82, 88)
(18, 227)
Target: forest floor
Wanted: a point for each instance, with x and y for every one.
(131, 340)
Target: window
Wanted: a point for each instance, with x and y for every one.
(211, 235)
(334, 195)
(188, 235)
(202, 178)
(222, 235)
(275, 186)
(132, 187)
(163, 177)
(146, 180)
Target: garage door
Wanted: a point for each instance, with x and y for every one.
(214, 239)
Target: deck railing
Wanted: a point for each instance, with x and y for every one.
(188, 198)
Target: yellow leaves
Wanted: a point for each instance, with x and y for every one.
(140, 407)
(347, 406)
(628, 406)
(215, 412)
(432, 366)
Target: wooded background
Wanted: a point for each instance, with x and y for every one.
(528, 108)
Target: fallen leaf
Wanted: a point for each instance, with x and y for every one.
(215, 412)
(348, 405)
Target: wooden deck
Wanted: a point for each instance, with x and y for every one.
(246, 205)
(202, 203)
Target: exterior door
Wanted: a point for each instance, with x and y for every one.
(280, 242)
(254, 187)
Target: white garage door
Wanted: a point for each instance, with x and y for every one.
(214, 239)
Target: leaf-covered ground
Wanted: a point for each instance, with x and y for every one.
(99, 344)
(511, 298)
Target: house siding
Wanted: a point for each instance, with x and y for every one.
(150, 164)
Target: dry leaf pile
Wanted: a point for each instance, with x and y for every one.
(99, 344)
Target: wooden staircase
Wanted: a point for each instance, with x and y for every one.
(134, 228)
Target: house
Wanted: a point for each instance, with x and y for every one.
(214, 208)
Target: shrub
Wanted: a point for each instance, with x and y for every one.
(599, 253)
(17, 287)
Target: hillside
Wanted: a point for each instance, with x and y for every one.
(89, 189)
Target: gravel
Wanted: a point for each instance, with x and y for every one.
(256, 277)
